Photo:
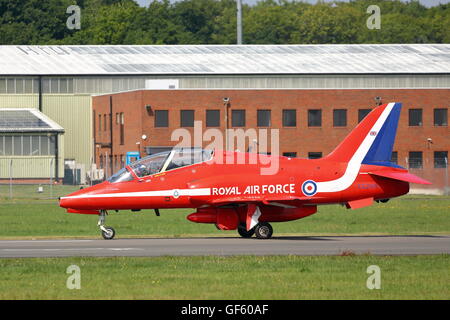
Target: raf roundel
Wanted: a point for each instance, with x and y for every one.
(309, 188)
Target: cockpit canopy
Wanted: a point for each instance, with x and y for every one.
(163, 161)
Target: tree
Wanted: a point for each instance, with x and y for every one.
(214, 22)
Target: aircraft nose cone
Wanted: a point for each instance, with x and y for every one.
(64, 202)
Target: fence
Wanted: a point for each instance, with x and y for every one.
(40, 177)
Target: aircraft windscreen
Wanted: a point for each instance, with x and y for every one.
(164, 161)
(121, 176)
(187, 156)
(149, 165)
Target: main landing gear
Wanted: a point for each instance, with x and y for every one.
(263, 230)
(108, 233)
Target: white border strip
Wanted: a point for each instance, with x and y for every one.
(159, 193)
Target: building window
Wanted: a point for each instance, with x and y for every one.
(362, 113)
(415, 117)
(187, 118)
(415, 160)
(394, 157)
(10, 85)
(339, 118)
(289, 118)
(8, 146)
(440, 117)
(99, 122)
(440, 159)
(290, 154)
(314, 155)
(17, 145)
(263, 118)
(161, 118)
(314, 118)
(28, 145)
(104, 123)
(238, 118)
(213, 118)
(122, 128)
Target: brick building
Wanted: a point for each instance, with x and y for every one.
(59, 81)
(311, 122)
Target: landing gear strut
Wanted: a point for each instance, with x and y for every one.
(242, 230)
(108, 233)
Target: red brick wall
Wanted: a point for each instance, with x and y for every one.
(301, 139)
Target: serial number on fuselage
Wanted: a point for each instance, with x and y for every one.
(255, 189)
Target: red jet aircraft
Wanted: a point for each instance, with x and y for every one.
(236, 196)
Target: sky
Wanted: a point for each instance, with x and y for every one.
(427, 3)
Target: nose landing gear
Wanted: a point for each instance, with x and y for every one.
(108, 233)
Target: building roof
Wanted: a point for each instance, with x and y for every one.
(26, 120)
(225, 59)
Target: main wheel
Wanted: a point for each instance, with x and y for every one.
(263, 230)
(109, 233)
(242, 230)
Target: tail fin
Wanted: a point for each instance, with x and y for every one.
(371, 142)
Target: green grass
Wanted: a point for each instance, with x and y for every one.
(30, 192)
(238, 277)
(22, 218)
(32, 215)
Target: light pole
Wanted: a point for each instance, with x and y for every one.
(239, 21)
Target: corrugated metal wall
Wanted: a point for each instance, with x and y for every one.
(19, 100)
(73, 113)
(29, 167)
(317, 82)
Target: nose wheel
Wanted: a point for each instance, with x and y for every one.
(108, 233)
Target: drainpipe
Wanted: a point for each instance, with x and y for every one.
(56, 158)
(226, 102)
(111, 131)
(40, 93)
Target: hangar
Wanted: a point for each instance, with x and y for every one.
(60, 80)
(31, 144)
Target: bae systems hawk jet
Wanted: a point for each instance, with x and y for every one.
(237, 196)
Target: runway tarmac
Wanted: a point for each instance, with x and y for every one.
(305, 246)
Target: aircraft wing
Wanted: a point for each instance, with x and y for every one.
(400, 175)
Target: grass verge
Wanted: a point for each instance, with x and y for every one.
(237, 277)
(402, 216)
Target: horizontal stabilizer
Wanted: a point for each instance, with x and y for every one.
(400, 175)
